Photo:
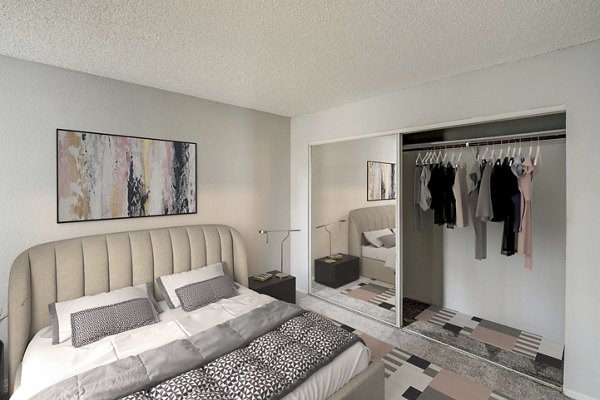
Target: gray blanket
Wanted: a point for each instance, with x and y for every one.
(263, 354)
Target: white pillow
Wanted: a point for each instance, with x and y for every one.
(373, 236)
(60, 313)
(169, 283)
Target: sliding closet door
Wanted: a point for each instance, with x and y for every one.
(354, 255)
(399, 232)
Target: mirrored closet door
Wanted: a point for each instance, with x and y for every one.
(354, 197)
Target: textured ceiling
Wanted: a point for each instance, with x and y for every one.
(289, 57)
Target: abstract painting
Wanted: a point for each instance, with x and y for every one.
(102, 176)
(381, 181)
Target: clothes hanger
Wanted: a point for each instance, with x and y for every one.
(530, 147)
(418, 158)
(487, 148)
(475, 151)
(538, 155)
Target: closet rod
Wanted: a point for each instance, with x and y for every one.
(490, 141)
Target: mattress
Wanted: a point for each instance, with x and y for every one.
(388, 256)
(45, 364)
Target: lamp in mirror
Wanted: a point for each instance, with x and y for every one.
(331, 256)
(281, 274)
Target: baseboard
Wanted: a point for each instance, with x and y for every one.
(575, 395)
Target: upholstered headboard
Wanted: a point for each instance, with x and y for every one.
(68, 269)
(368, 219)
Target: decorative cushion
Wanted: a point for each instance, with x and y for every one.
(373, 236)
(93, 324)
(200, 294)
(168, 283)
(60, 313)
(388, 241)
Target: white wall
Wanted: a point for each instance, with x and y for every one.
(568, 77)
(243, 157)
(339, 184)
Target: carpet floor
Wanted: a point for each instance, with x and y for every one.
(371, 297)
(355, 302)
(528, 353)
(379, 293)
(419, 368)
(408, 376)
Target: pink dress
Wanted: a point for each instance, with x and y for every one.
(526, 232)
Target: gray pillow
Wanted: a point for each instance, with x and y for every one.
(388, 241)
(200, 294)
(93, 324)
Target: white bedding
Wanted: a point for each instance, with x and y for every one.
(45, 364)
(388, 256)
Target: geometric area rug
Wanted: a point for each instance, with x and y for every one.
(525, 344)
(379, 293)
(410, 377)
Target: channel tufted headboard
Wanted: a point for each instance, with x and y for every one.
(68, 269)
(364, 220)
(368, 219)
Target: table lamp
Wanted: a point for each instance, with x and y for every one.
(266, 232)
(337, 256)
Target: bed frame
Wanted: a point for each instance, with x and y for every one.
(364, 220)
(68, 269)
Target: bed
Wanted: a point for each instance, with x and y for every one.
(72, 268)
(371, 219)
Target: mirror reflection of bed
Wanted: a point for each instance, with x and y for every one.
(347, 224)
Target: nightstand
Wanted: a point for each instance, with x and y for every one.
(280, 288)
(336, 274)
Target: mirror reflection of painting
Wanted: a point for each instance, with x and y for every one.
(381, 181)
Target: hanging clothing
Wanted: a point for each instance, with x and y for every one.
(484, 201)
(480, 227)
(461, 196)
(510, 189)
(526, 233)
(417, 198)
(498, 192)
(436, 188)
(425, 195)
(449, 199)
(517, 170)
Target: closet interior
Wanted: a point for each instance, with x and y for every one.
(483, 240)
